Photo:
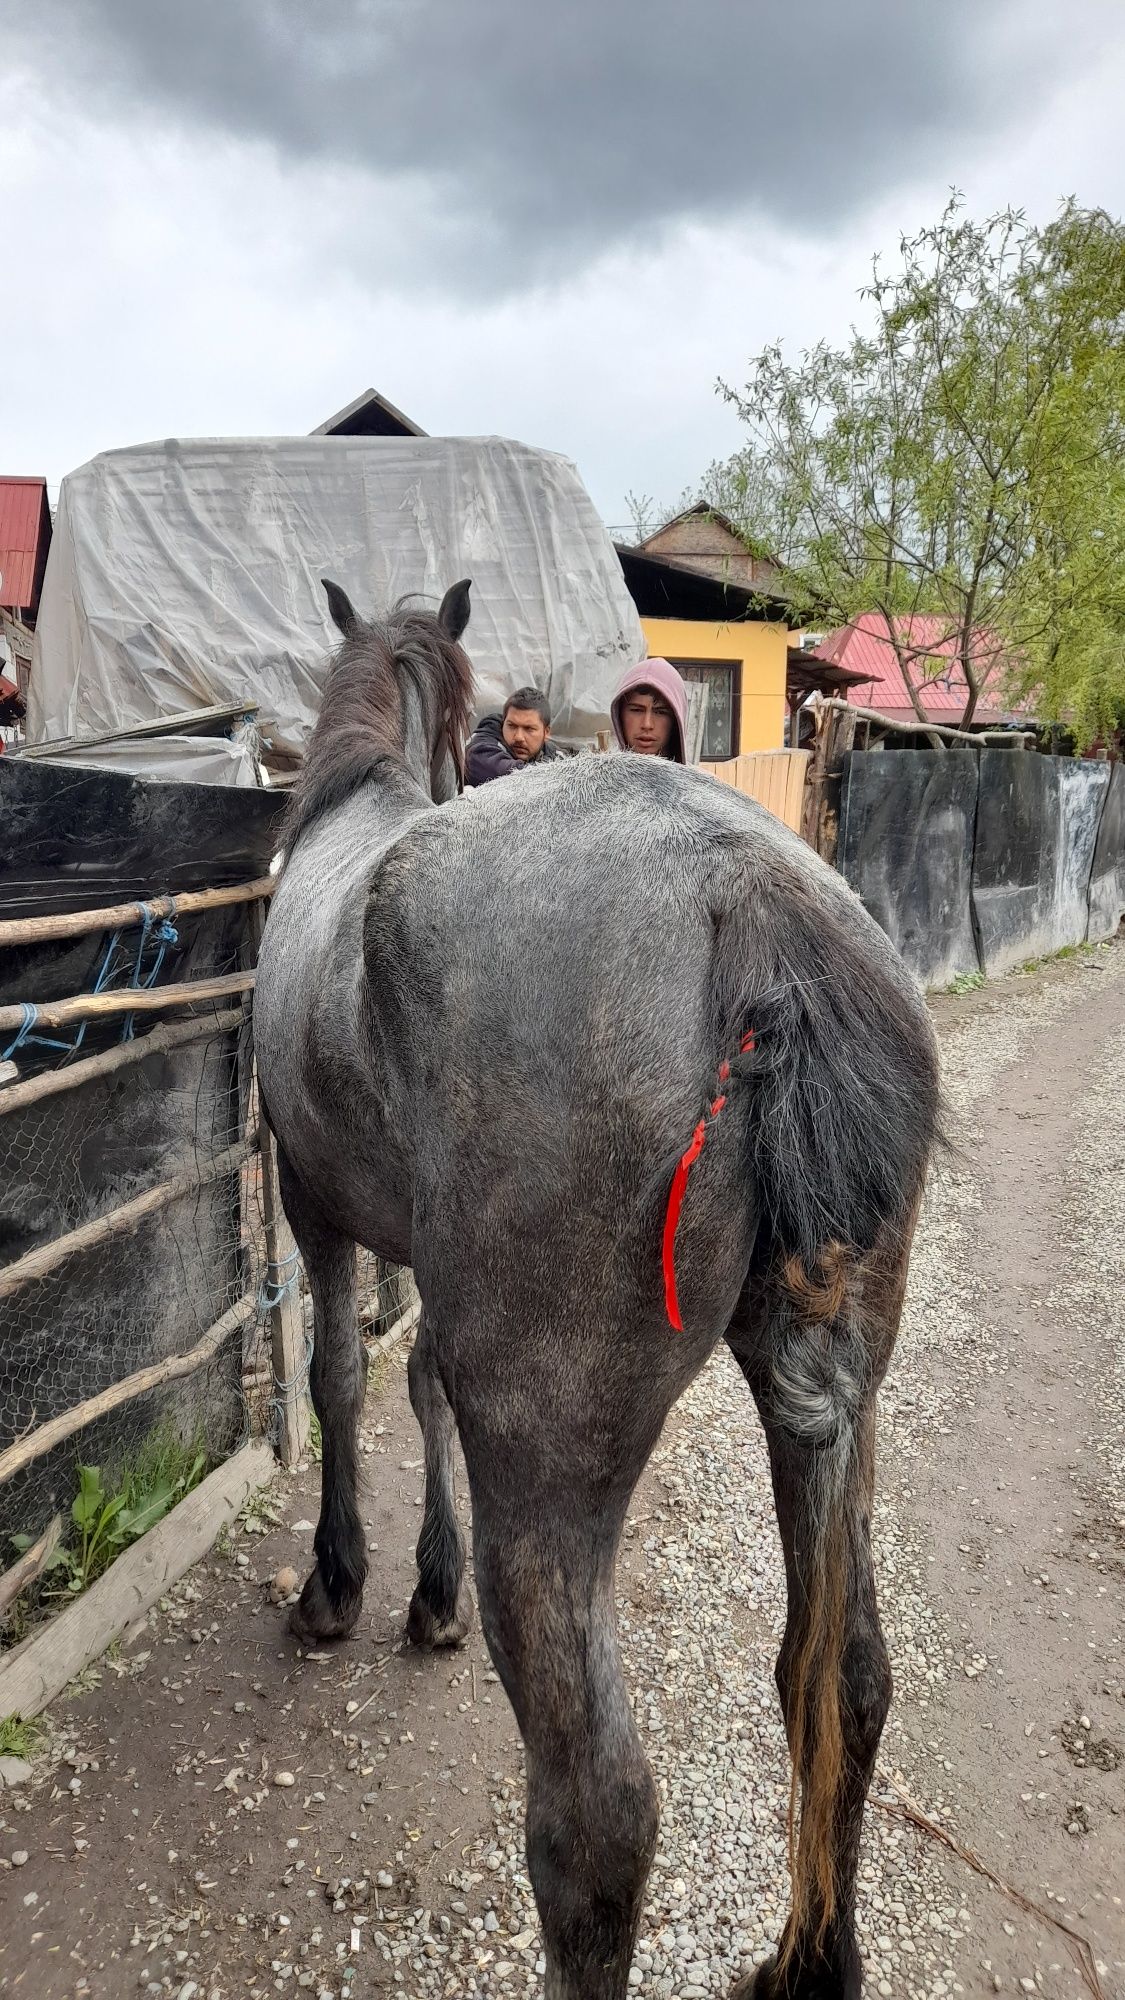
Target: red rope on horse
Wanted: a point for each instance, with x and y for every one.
(679, 1188)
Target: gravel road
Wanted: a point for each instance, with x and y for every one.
(214, 1816)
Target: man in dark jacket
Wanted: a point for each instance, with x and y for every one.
(503, 743)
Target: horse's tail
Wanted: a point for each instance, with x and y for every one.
(843, 1107)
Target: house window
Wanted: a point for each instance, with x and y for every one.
(722, 680)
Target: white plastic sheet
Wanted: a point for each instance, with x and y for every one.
(187, 574)
(192, 760)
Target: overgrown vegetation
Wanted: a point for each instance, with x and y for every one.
(18, 1738)
(960, 460)
(109, 1511)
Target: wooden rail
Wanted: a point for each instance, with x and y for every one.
(46, 1436)
(33, 1673)
(119, 916)
(127, 1000)
(972, 737)
(161, 1041)
(120, 1221)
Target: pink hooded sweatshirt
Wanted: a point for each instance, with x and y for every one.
(662, 676)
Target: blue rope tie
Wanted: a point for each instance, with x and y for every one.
(162, 929)
(274, 1287)
(295, 1387)
(24, 1034)
(165, 933)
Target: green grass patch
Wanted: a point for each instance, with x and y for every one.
(112, 1510)
(19, 1739)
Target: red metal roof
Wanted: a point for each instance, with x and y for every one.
(865, 647)
(25, 532)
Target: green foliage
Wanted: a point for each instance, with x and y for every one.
(963, 457)
(106, 1520)
(18, 1738)
(966, 982)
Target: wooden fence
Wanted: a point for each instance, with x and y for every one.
(183, 1231)
(776, 778)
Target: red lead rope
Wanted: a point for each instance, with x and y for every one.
(679, 1188)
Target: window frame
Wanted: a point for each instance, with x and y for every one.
(734, 669)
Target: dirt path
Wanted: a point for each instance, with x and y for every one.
(164, 1854)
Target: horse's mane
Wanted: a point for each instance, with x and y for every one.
(360, 725)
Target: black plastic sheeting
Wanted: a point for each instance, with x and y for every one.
(906, 848)
(1037, 826)
(73, 839)
(1107, 877)
(982, 860)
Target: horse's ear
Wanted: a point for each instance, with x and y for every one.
(341, 607)
(454, 614)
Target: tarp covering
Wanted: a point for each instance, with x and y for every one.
(983, 859)
(197, 760)
(906, 847)
(73, 839)
(1037, 825)
(187, 574)
(1107, 876)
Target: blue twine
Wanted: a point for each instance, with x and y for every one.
(274, 1288)
(24, 1034)
(165, 933)
(295, 1386)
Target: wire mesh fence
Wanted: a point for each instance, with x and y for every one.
(137, 1237)
(127, 1299)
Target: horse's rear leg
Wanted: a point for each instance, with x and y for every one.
(814, 1356)
(332, 1598)
(547, 1513)
(440, 1611)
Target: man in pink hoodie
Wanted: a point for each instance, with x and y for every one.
(649, 711)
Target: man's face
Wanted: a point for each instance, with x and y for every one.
(525, 733)
(646, 721)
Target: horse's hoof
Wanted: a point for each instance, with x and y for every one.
(765, 1982)
(424, 1628)
(756, 1985)
(315, 1620)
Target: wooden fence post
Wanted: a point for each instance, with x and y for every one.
(288, 1345)
(835, 736)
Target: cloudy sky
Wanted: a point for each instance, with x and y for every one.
(557, 223)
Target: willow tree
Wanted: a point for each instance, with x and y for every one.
(937, 464)
(1071, 657)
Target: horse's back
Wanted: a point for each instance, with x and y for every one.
(585, 897)
(543, 955)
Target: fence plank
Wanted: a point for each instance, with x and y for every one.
(29, 1567)
(35, 1672)
(775, 778)
(117, 916)
(47, 1435)
(128, 1000)
(119, 1221)
(172, 1035)
(287, 1329)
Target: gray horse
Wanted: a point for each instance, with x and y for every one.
(622, 1070)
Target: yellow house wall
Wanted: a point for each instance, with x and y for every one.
(760, 648)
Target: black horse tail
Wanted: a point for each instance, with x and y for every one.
(831, 1048)
(845, 1097)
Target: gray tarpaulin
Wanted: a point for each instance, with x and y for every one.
(186, 574)
(195, 760)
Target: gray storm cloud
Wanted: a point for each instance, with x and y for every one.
(535, 137)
